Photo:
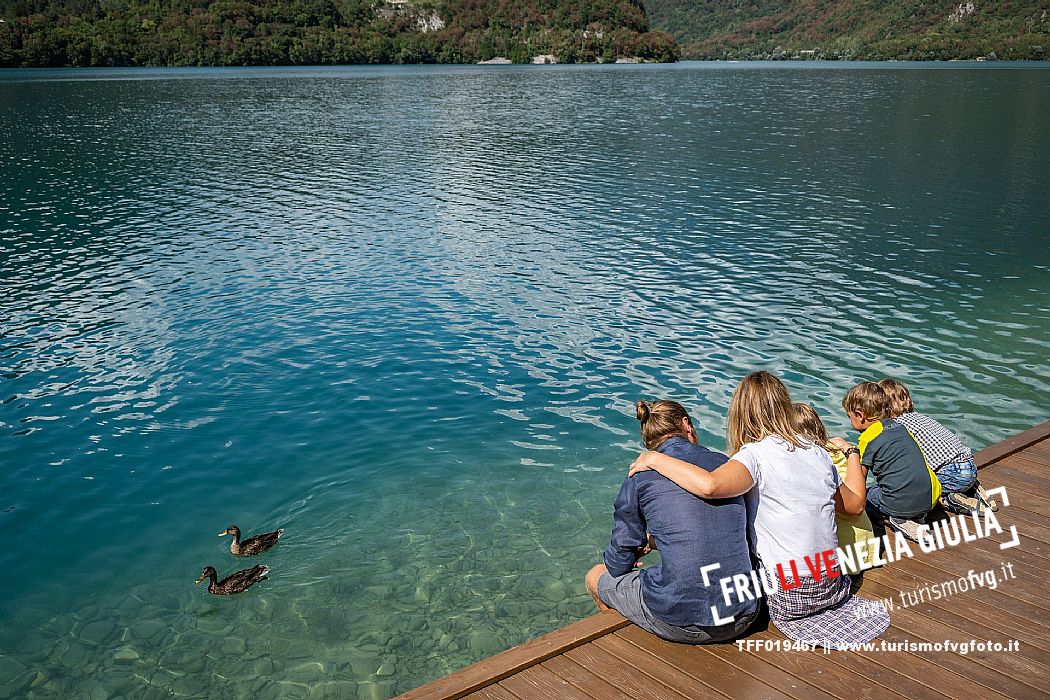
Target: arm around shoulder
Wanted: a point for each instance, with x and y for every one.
(730, 479)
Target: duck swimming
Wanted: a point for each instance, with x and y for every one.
(253, 545)
(237, 582)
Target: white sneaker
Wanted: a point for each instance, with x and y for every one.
(908, 528)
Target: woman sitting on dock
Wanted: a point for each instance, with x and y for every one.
(792, 493)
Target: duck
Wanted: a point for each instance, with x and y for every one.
(253, 545)
(237, 582)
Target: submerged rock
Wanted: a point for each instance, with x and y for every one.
(376, 690)
(126, 655)
(555, 590)
(147, 629)
(233, 645)
(96, 633)
(264, 666)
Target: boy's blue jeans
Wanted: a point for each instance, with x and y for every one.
(876, 514)
(871, 505)
(957, 477)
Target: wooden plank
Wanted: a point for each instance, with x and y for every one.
(1016, 593)
(492, 692)
(960, 561)
(1017, 469)
(1030, 526)
(1009, 446)
(765, 669)
(910, 673)
(636, 684)
(918, 574)
(588, 682)
(679, 679)
(507, 663)
(538, 683)
(1040, 449)
(1020, 469)
(1021, 494)
(957, 623)
(695, 661)
(817, 669)
(980, 667)
(1036, 457)
(890, 669)
(1033, 534)
(920, 669)
(967, 606)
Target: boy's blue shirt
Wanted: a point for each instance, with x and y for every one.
(907, 487)
(690, 533)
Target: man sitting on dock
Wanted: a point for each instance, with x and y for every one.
(673, 600)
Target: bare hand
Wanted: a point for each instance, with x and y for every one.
(840, 443)
(649, 546)
(641, 464)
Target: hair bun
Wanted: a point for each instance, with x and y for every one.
(642, 411)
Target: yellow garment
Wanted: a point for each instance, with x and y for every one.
(852, 528)
(935, 483)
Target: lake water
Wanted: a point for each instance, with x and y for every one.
(404, 314)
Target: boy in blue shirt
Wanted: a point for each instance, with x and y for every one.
(906, 489)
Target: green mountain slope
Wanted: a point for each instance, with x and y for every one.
(316, 32)
(859, 29)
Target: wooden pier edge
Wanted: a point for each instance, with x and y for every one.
(507, 663)
(1012, 445)
(496, 668)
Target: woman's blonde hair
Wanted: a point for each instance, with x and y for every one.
(900, 397)
(760, 407)
(661, 420)
(809, 424)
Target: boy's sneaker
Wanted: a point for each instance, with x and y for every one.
(985, 500)
(961, 503)
(908, 528)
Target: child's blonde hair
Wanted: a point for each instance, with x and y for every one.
(900, 397)
(661, 420)
(760, 407)
(809, 424)
(869, 399)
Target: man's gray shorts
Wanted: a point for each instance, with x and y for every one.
(624, 595)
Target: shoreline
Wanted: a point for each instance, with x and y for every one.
(13, 75)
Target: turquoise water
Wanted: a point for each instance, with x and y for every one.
(404, 312)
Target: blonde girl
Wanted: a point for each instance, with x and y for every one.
(851, 529)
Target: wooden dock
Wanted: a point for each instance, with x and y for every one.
(604, 656)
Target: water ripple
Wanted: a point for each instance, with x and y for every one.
(405, 314)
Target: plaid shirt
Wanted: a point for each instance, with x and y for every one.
(824, 612)
(939, 445)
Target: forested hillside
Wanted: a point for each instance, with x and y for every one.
(858, 29)
(316, 32)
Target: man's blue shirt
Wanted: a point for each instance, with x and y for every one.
(690, 533)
